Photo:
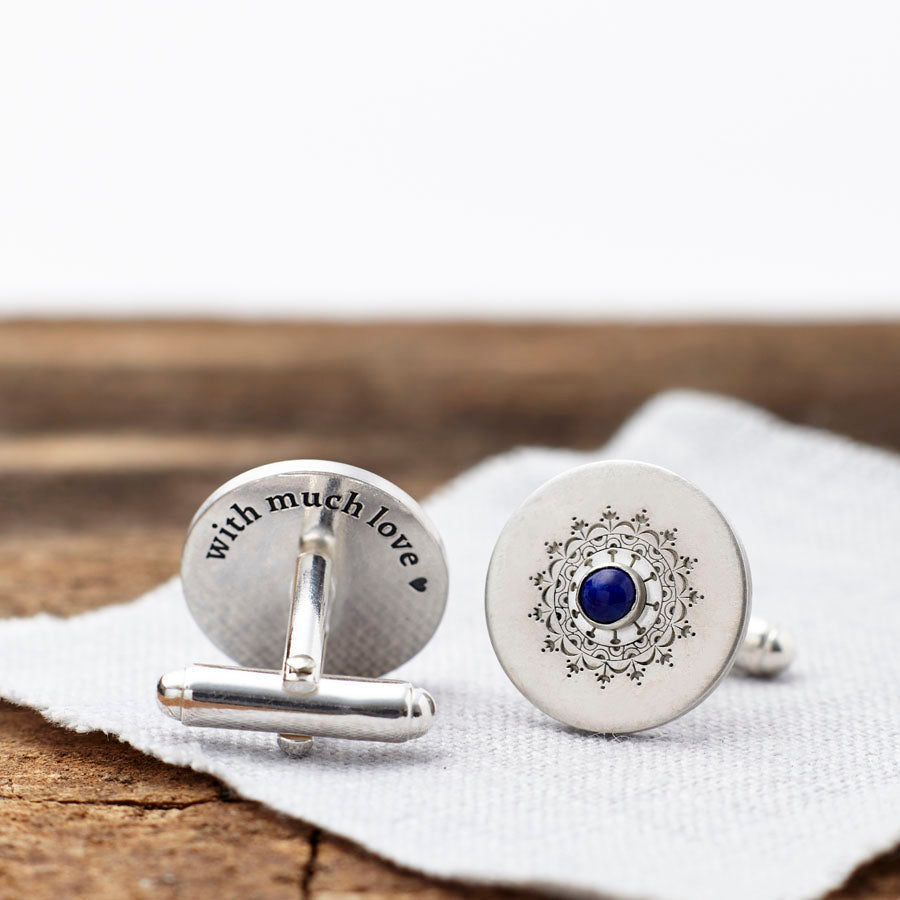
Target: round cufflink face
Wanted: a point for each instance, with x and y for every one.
(240, 557)
(617, 597)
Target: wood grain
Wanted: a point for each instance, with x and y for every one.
(112, 433)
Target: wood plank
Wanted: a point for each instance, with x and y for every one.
(83, 815)
(501, 384)
(113, 432)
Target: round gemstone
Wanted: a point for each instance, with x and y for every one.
(607, 595)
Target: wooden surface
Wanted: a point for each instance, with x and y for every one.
(111, 435)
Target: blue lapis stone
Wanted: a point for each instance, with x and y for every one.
(607, 595)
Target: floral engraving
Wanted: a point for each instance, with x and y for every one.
(652, 556)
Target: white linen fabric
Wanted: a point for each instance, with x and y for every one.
(768, 789)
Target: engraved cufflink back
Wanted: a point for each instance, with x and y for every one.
(293, 559)
(618, 597)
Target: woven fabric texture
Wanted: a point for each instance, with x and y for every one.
(769, 789)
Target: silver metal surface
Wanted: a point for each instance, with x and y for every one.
(652, 666)
(295, 745)
(294, 560)
(240, 562)
(308, 624)
(767, 650)
(256, 700)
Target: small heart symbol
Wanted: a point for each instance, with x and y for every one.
(418, 584)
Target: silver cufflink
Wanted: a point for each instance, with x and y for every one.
(618, 597)
(295, 559)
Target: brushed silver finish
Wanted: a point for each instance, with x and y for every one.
(695, 614)
(300, 565)
(240, 561)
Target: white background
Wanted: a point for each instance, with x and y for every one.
(467, 158)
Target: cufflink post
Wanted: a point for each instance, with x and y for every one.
(310, 606)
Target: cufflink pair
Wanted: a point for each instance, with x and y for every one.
(617, 598)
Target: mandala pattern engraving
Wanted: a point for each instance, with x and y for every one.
(650, 555)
